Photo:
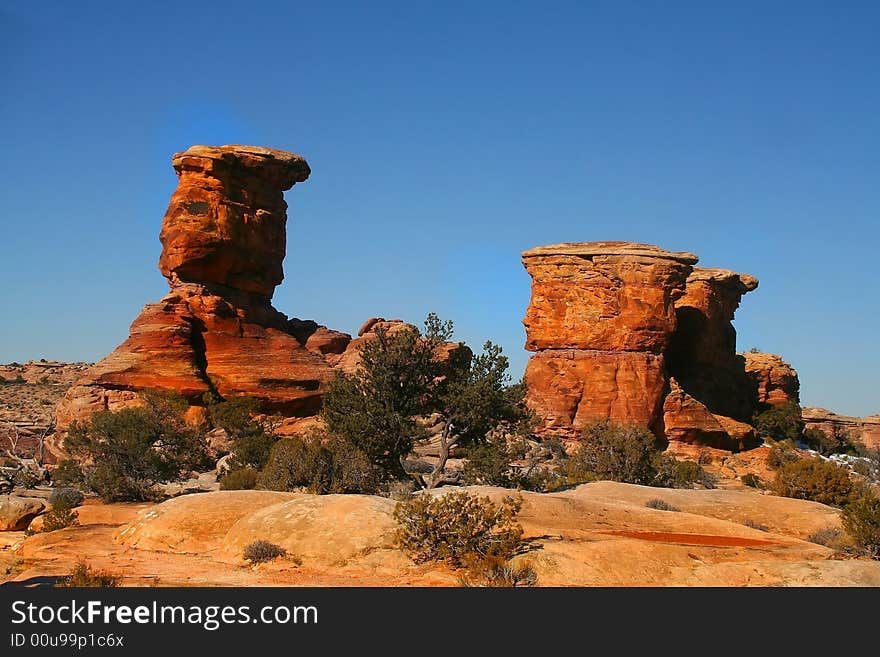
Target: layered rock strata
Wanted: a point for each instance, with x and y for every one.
(601, 318)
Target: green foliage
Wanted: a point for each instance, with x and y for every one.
(458, 528)
(84, 576)
(752, 480)
(861, 520)
(133, 449)
(780, 422)
(673, 473)
(817, 480)
(489, 465)
(660, 505)
(320, 465)
(62, 515)
(69, 496)
(261, 551)
(838, 441)
(782, 454)
(25, 478)
(240, 479)
(251, 438)
(402, 377)
(615, 452)
(68, 474)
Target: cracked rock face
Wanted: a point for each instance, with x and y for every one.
(601, 318)
(223, 239)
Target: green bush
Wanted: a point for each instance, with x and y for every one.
(240, 479)
(780, 422)
(84, 576)
(752, 480)
(673, 473)
(252, 438)
(816, 480)
(861, 520)
(69, 496)
(782, 453)
(261, 551)
(133, 449)
(489, 465)
(614, 452)
(68, 474)
(25, 478)
(837, 441)
(319, 464)
(62, 515)
(458, 528)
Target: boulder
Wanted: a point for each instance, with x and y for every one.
(17, 512)
(775, 381)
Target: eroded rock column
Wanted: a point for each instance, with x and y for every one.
(601, 318)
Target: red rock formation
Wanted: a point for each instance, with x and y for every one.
(775, 381)
(864, 429)
(688, 420)
(702, 352)
(601, 317)
(223, 240)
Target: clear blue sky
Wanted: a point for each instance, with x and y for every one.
(444, 139)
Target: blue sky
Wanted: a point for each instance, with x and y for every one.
(444, 139)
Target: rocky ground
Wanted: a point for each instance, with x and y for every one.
(29, 393)
(599, 534)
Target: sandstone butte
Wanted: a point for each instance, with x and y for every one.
(636, 334)
(223, 245)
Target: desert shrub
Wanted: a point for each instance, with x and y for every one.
(133, 449)
(780, 422)
(252, 438)
(62, 515)
(829, 536)
(84, 576)
(69, 496)
(25, 478)
(754, 524)
(835, 441)
(861, 520)
(319, 464)
(458, 528)
(817, 480)
(660, 505)
(781, 454)
(674, 473)
(68, 474)
(400, 377)
(614, 452)
(261, 551)
(240, 479)
(496, 572)
(750, 479)
(489, 465)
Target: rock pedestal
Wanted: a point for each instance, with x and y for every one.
(601, 318)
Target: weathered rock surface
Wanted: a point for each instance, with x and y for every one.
(600, 317)
(17, 512)
(607, 296)
(688, 420)
(223, 241)
(599, 534)
(702, 353)
(775, 381)
(226, 223)
(864, 429)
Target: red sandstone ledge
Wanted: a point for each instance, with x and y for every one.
(589, 249)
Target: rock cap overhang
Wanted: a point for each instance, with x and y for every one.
(591, 249)
(281, 168)
(726, 277)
